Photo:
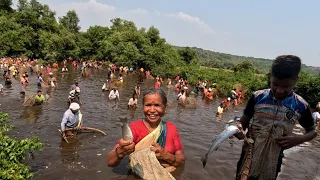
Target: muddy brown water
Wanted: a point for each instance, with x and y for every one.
(85, 156)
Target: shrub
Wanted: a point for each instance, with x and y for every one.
(12, 153)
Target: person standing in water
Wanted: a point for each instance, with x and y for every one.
(168, 148)
(52, 81)
(157, 84)
(74, 86)
(137, 90)
(1, 89)
(114, 95)
(71, 119)
(40, 80)
(270, 116)
(316, 117)
(39, 98)
(133, 102)
(74, 96)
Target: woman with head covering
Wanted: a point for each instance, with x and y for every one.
(151, 133)
(71, 118)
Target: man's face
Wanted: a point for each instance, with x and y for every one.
(281, 88)
(74, 111)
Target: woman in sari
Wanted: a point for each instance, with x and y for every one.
(167, 146)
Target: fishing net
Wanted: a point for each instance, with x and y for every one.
(146, 165)
(28, 101)
(265, 154)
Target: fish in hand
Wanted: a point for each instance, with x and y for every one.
(229, 131)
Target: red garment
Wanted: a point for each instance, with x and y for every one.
(173, 142)
(157, 84)
(226, 101)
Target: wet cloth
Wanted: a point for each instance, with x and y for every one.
(269, 120)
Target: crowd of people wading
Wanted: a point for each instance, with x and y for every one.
(265, 126)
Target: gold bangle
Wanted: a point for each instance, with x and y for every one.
(118, 154)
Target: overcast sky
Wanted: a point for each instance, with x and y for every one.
(251, 28)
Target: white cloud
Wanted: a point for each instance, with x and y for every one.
(177, 28)
(90, 13)
(191, 19)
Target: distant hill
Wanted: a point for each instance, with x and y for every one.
(228, 61)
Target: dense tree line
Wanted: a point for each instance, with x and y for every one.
(32, 30)
(228, 61)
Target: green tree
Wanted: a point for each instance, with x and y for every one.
(187, 54)
(95, 35)
(71, 21)
(6, 5)
(245, 66)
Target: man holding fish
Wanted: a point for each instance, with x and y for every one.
(150, 137)
(269, 118)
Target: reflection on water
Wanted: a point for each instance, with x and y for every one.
(85, 156)
(31, 114)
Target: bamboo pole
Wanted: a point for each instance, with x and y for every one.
(83, 128)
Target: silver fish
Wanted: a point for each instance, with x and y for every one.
(126, 131)
(229, 131)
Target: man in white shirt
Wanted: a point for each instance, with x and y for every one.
(114, 94)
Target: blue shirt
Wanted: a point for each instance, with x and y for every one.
(40, 80)
(69, 119)
(263, 109)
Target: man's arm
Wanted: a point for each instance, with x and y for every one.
(307, 122)
(245, 119)
(63, 124)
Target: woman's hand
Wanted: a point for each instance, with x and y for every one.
(126, 147)
(160, 152)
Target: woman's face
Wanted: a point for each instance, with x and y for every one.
(153, 108)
